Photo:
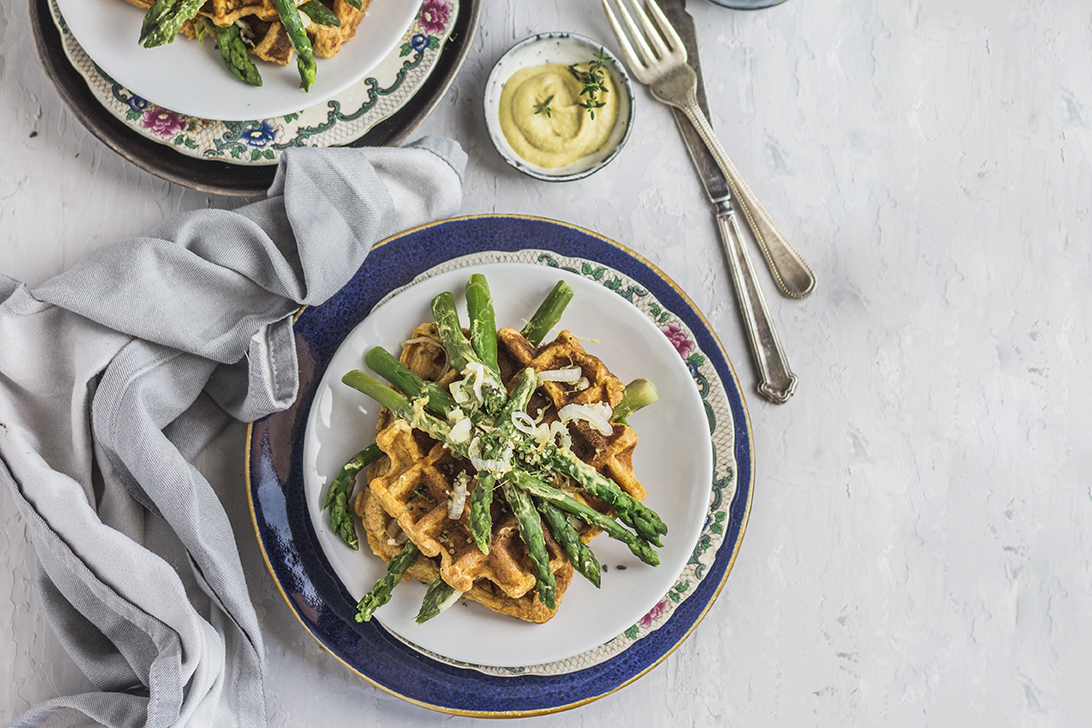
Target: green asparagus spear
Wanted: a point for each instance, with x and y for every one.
(164, 19)
(524, 388)
(381, 592)
(481, 514)
(638, 393)
(156, 14)
(458, 348)
(495, 442)
(386, 365)
(548, 313)
(631, 511)
(580, 556)
(530, 530)
(319, 13)
(355, 3)
(235, 55)
(438, 597)
(401, 407)
(337, 498)
(640, 548)
(297, 36)
(461, 354)
(483, 323)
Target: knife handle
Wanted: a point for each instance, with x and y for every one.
(790, 272)
(778, 382)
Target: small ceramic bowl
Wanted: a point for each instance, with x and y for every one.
(567, 48)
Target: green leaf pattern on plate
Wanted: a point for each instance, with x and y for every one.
(341, 120)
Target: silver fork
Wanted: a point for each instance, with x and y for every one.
(663, 66)
(659, 61)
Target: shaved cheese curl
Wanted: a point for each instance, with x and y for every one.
(592, 414)
(568, 374)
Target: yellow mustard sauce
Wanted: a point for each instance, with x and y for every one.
(568, 132)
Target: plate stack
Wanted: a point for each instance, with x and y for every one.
(176, 111)
(694, 458)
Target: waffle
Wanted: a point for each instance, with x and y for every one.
(611, 455)
(501, 581)
(411, 485)
(269, 39)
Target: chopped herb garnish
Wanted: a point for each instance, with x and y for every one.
(202, 26)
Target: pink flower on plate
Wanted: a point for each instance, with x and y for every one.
(647, 620)
(163, 122)
(434, 15)
(678, 338)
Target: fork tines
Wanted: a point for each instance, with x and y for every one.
(658, 45)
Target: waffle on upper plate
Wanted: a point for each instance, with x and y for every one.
(411, 485)
(265, 33)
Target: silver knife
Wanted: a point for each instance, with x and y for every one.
(792, 275)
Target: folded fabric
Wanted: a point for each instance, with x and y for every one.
(115, 375)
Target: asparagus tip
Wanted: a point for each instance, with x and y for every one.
(638, 393)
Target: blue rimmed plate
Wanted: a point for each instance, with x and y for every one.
(203, 154)
(315, 585)
(189, 78)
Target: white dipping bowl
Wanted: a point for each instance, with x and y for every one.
(567, 48)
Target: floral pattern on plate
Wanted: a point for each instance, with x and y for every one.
(341, 120)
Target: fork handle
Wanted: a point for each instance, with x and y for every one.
(790, 272)
(778, 382)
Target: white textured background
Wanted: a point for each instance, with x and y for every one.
(919, 542)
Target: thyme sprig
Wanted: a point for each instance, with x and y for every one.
(544, 107)
(594, 82)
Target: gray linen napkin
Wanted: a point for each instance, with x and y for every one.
(114, 376)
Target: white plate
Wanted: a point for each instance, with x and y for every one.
(673, 460)
(191, 79)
